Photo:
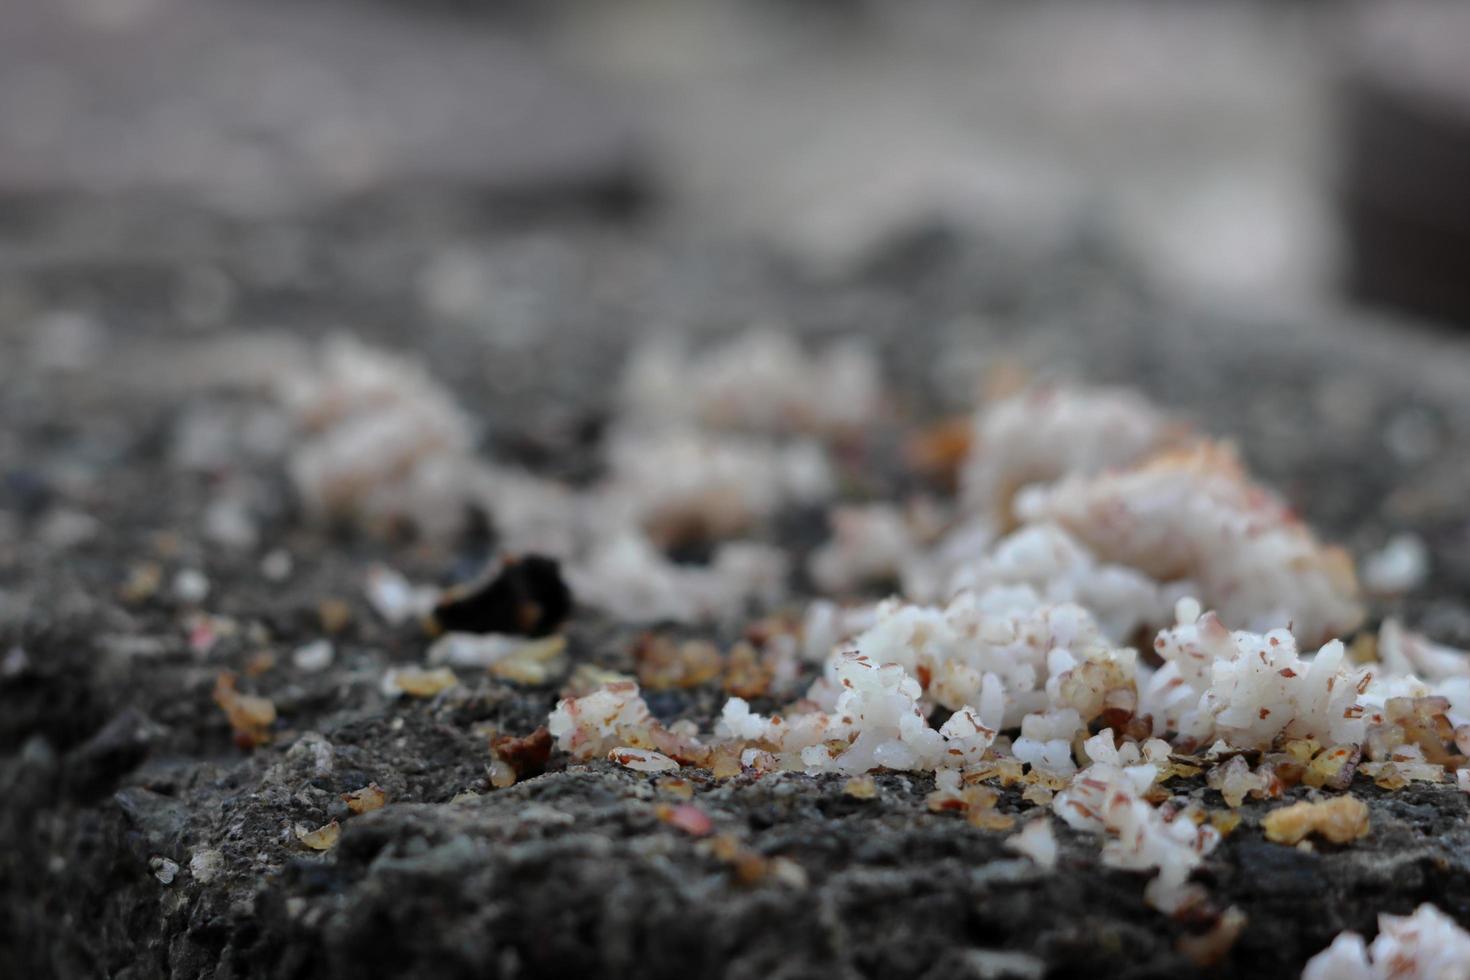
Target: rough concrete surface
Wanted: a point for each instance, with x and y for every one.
(116, 765)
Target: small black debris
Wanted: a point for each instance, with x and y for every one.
(526, 597)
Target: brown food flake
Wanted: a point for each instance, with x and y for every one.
(1209, 948)
(527, 754)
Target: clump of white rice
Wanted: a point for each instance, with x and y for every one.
(1194, 515)
(759, 381)
(683, 483)
(1250, 689)
(379, 442)
(1060, 569)
(1107, 796)
(1049, 431)
(1427, 945)
(626, 575)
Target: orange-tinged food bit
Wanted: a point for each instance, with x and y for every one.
(250, 716)
(370, 797)
(664, 664)
(1333, 768)
(1224, 821)
(1038, 794)
(990, 820)
(725, 762)
(679, 789)
(419, 683)
(860, 788)
(1339, 820)
(940, 450)
(1177, 770)
(750, 867)
(686, 817)
(324, 838)
(1005, 771)
(746, 676)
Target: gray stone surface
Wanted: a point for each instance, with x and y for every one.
(117, 297)
(115, 758)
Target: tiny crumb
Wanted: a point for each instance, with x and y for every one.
(205, 865)
(371, 797)
(587, 678)
(190, 586)
(1038, 794)
(664, 664)
(324, 838)
(784, 871)
(1401, 566)
(1225, 821)
(260, 662)
(164, 869)
(990, 820)
(143, 582)
(229, 524)
(995, 964)
(63, 529)
(502, 774)
(526, 755)
(676, 788)
(276, 566)
(642, 760)
(1037, 842)
(1212, 946)
(250, 716)
(860, 788)
(750, 867)
(395, 598)
(941, 450)
(335, 615)
(533, 663)
(1339, 820)
(419, 683)
(313, 658)
(686, 817)
(16, 662)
